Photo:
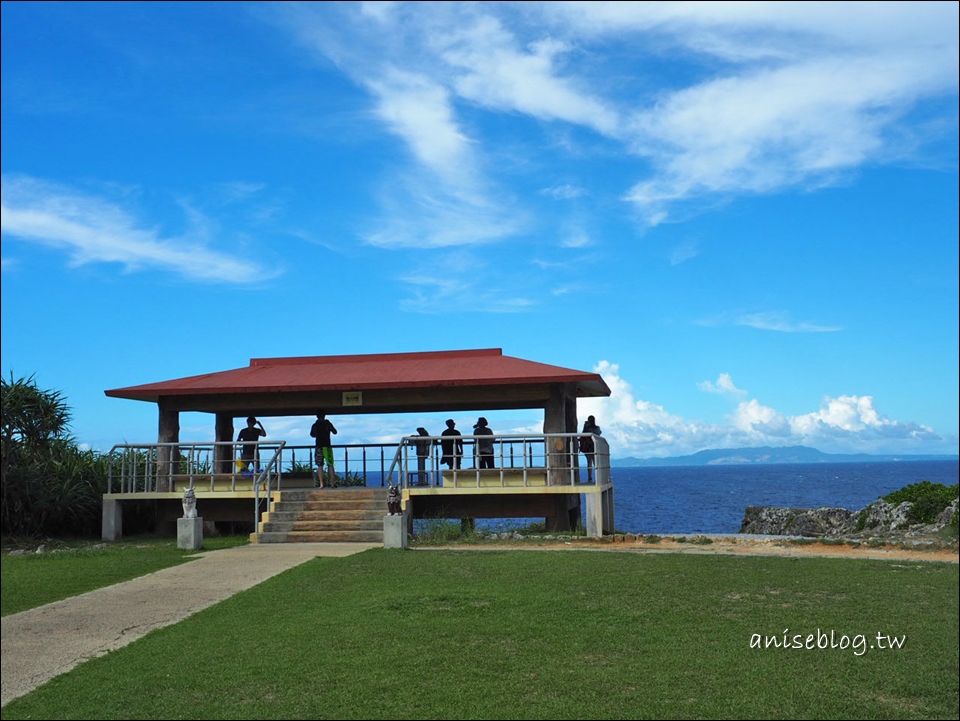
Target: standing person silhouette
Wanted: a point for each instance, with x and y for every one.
(587, 446)
(451, 446)
(250, 454)
(484, 445)
(423, 453)
(321, 430)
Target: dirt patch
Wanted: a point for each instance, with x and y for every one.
(783, 547)
(738, 546)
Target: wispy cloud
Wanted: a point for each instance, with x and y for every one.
(774, 320)
(239, 190)
(806, 94)
(563, 192)
(576, 239)
(419, 212)
(774, 95)
(780, 321)
(684, 252)
(94, 230)
(448, 284)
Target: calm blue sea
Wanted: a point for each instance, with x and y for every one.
(712, 499)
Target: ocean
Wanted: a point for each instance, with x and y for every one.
(712, 499)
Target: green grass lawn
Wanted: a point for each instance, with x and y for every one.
(70, 568)
(527, 634)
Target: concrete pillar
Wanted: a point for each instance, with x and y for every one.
(111, 528)
(223, 455)
(567, 513)
(608, 522)
(190, 533)
(595, 515)
(168, 457)
(395, 531)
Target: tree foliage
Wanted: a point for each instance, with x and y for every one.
(49, 486)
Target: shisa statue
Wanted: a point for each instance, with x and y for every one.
(189, 504)
(393, 500)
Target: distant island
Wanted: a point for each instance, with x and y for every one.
(767, 454)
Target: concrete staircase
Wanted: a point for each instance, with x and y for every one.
(329, 515)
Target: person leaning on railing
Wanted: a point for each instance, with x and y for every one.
(423, 453)
(484, 445)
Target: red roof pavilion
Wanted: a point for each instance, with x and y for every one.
(483, 379)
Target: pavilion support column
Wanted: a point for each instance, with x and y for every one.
(223, 455)
(111, 527)
(573, 444)
(557, 414)
(168, 457)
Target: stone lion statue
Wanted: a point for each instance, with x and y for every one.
(189, 504)
(393, 500)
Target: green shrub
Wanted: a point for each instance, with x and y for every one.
(928, 499)
(442, 531)
(51, 487)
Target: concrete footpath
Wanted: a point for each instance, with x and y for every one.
(45, 642)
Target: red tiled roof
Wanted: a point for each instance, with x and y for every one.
(484, 367)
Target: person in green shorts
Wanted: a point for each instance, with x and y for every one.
(322, 430)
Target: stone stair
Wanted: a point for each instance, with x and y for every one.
(329, 515)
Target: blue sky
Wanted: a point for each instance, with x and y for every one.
(744, 215)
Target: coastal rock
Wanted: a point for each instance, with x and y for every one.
(947, 513)
(879, 519)
(812, 522)
(883, 517)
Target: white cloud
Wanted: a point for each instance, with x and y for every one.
(419, 111)
(94, 230)
(846, 424)
(753, 418)
(773, 128)
(723, 385)
(492, 71)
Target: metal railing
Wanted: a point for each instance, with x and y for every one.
(154, 467)
(157, 467)
(161, 467)
(498, 460)
(552, 459)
